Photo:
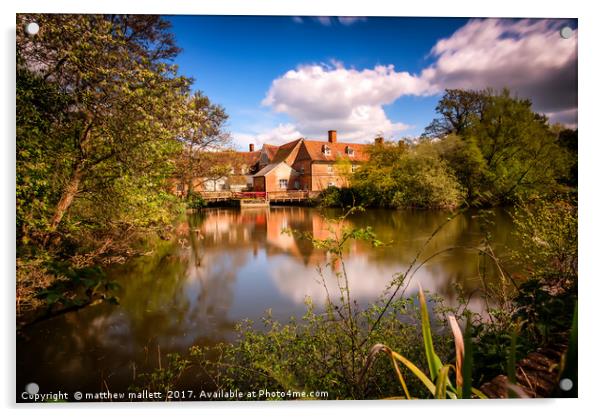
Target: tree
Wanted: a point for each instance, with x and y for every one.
(466, 161)
(120, 102)
(407, 176)
(499, 149)
(204, 133)
(521, 153)
(459, 109)
(215, 166)
(568, 139)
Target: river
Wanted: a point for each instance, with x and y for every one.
(226, 265)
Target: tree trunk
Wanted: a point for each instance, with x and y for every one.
(67, 196)
(72, 187)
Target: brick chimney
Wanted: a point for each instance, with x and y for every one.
(332, 136)
(379, 140)
(251, 147)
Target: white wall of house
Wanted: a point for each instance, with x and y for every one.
(219, 185)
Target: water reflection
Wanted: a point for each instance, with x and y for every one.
(226, 265)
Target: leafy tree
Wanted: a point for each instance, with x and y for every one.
(99, 111)
(466, 161)
(459, 109)
(499, 149)
(205, 133)
(568, 139)
(407, 176)
(521, 153)
(121, 105)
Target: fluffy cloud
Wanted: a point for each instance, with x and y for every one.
(323, 97)
(284, 132)
(327, 20)
(527, 56)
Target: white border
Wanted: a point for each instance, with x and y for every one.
(590, 154)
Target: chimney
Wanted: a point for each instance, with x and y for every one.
(332, 136)
(251, 147)
(379, 141)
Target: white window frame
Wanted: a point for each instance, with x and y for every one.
(350, 151)
(283, 181)
(330, 169)
(326, 150)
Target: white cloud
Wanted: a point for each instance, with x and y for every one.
(527, 56)
(323, 20)
(349, 20)
(323, 97)
(328, 21)
(284, 132)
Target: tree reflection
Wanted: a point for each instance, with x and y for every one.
(229, 264)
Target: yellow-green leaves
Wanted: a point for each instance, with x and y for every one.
(433, 360)
(439, 384)
(459, 343)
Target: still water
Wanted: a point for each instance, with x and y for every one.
(230, 264)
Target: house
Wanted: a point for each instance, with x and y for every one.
(302, 164)
(305, 164)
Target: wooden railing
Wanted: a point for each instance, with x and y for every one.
(289, 195)
(251, 194)
(215, 195)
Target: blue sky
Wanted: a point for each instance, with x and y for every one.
(283, 77)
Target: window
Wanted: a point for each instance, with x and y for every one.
(353, 168)
(297, 185)
(302, 170)
(326, 150)
(180, 187)
(331, 184)
(349, 150)
(283, 183)
(329, 169)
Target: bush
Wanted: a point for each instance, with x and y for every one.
(318, 352)
(337, 197)
(407, 177)
(195, 202)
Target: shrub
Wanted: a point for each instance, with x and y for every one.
(195, 202)
(402, 177)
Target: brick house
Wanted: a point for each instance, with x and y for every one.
(305, 164)
(302, 164)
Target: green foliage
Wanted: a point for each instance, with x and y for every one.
(314, 352)
(439, 385)
(498, 148)
(406, 176)
(102, 117)
(195, 201)
(162, 379)
(541, 309)
(547, 229)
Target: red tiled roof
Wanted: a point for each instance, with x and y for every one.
(250, 158)
(338, 150)
(270, 150)
(287, 152)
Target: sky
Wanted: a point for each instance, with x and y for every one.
(284, 77)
